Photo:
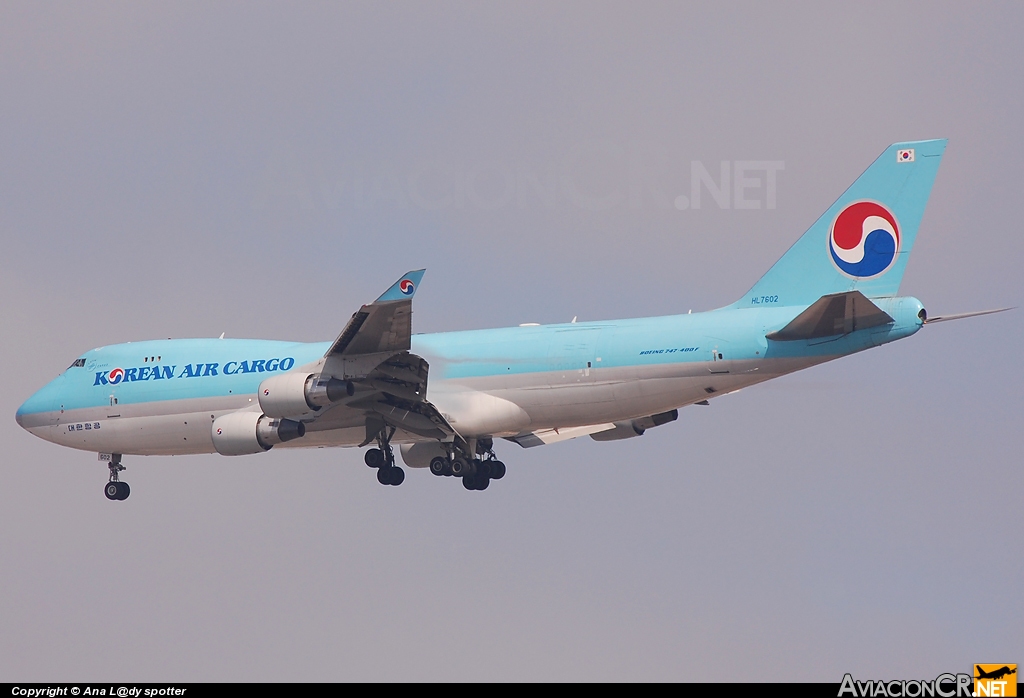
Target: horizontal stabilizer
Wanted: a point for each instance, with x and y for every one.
(833, 315)
(960, 316)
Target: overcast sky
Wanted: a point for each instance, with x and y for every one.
(182, 170)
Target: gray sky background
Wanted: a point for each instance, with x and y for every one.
(181, 170)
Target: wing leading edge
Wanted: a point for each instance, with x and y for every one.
(382, 326)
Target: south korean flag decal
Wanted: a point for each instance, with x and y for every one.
(905, 155)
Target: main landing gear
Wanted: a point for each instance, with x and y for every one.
(473, 461)
(115, 489)
(476, 472)
(383, 459)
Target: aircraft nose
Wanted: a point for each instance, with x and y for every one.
(38, 409)
(24, 414)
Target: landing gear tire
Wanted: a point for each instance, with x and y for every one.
(475, 482)
(497, 470)
(439, 465)
(483, 469)
(391, 476)
(374, 458)
(462, 467)
(117, 491)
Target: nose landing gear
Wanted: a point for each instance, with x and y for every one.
(115, 489)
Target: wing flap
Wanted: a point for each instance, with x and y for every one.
(550, 436)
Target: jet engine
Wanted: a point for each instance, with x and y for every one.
(239, 433)
(635, 427)
(296, 394)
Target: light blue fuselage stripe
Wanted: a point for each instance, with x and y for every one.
(738, 334)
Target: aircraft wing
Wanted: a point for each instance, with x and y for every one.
(598, 432)
(550, 436)
(382, 326)
(387, 383)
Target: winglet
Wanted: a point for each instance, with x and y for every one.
(404, 288)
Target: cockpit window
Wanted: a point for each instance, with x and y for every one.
(78, 363)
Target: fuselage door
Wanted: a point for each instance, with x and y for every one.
(717, 359)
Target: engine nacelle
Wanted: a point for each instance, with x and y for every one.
(240, 433)
(297, 394)
(622, 430)
(635, 427)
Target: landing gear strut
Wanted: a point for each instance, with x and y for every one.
(115, 489)
(383, 459)
(473, 461)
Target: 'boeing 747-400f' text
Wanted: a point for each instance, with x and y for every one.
(445, 398)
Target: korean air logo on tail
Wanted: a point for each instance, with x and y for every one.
(407, 287)
(864, 240)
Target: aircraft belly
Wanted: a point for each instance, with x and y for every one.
(344, 437)
(165, 434)
(474, 412)
(557, 399)
(347, 436)
(167, 427)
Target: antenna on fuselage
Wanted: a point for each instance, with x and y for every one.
(221, 335)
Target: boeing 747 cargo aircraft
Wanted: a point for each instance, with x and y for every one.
(447, 399)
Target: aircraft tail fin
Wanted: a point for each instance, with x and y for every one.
(862, 242)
